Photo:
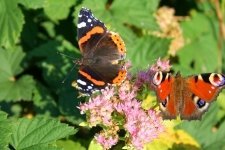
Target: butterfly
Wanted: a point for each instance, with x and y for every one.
(103, 53)
(188, 97)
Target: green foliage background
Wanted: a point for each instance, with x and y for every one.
(31, 71)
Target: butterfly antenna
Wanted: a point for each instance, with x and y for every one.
(62, 54)
(68, 73)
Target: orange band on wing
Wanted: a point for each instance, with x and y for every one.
(95, 30)
(119, 42)
(120, 78)
(96, 82)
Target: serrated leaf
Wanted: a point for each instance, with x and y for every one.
(6, 129)
(146, 50)
(11, 22)
(13, 89)
(58, 9)
(200, 54)
(32, 4)
(69, 145)
(135, 13)
(38, 133)
(10, 61)
(20, 89)
(190, 60)
(142, 17)
(205, 132)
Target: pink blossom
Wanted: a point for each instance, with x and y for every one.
(145, 77)
(142, 127)
(99, 108)
(107, 141)
(161, 65)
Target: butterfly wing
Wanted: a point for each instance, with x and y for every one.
(89, 30)
(164, 88)
(108, 59)
(199, 91)
(102, 52)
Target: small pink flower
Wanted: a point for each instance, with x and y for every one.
(107, 141)
(142, 127)
(161, 65)
(145, 77)
(99, 108)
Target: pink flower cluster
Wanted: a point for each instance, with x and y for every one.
(99, 108)
(108, 137)
(145, 77)
(141, 126)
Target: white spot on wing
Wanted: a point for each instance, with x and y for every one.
(215, 82)
(89, 87)
(81, 25)
(89, 20)
(79, 15)
(81, 82)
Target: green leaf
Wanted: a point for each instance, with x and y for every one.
(55, 70)
(32, 4)
(146, 50)
(178, 140)
(69, 145)
(11, 22)
(124, 16)
(10, 61)
(204, 130)
(39, 133)
(138, 13)
(68, 103)
(55, 67)
(6, 128)
(95, 146)
(12, 88)
(200, 54)
(44, 103)
(20, 89)
(58, 9)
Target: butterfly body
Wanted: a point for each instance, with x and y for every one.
(186, 97)
(103, 52)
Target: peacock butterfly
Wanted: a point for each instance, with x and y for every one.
(188, 97)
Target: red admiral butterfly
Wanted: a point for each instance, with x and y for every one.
(102, 52)
(188, 97)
